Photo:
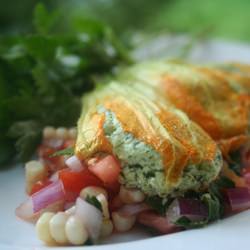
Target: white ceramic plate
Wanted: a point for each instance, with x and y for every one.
(229, 234)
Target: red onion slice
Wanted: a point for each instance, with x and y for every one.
(74, 163)
(133, 209)
(47, 196)
(193, 209)
(239, 198)
(25, 210)
(90, 216)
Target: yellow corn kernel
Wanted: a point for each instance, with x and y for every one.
(129, 196)
(123, 223)
(106, 229)
(49, 132)
(62, 133)
(75, 231)
(42, 228)
(57, 227)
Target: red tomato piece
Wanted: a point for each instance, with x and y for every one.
(40, 185)
(75, 181)
(106, 169)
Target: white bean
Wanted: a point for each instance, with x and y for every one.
(57, 227)
(107, 228)
(42, 228)
(129, 196)
(75, 231)
(123, 223)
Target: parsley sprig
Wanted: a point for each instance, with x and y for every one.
(44, 74)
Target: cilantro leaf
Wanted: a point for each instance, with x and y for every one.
(93, 201)
(158, 204)
(235, 164)
(214, 206)
(187, 223)
(66, 151)
(216, 186)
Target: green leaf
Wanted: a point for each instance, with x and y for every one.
(214, 206)
(158, 204)
(216, 186)
(66, 151)
(93, 201)
(44, 74)
(235, 163)
(187, 223)
(43, 20)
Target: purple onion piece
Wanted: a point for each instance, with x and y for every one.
(47, 196)
(239, 198)
(193, 209)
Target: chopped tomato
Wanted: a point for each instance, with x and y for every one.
(75, 181)
(107, 169)
(157, 222)
(40, 185)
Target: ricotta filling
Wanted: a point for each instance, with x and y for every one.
(142, 166)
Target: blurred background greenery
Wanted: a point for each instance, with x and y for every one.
(220, 18)
(51, 56)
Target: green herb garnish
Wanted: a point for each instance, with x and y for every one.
(66, 152)
(43, 75)
(93, 201)
(235, 163)
(157, 204)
